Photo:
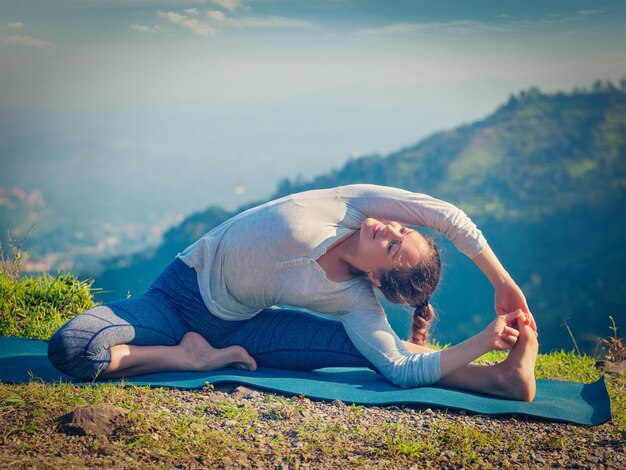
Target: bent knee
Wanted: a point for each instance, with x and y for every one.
(81, 347)
(70, 352)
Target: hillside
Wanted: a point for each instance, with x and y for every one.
(544, 177)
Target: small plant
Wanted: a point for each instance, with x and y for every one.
(615, 346)
(12, 264)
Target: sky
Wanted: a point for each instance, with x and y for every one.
(167, 107)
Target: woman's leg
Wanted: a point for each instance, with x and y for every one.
(81, 348)
(513, 378)
(294, 340)
(193, 353)
(137, 336)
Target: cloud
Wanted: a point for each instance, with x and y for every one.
(16, 25)
(269, 22)
(216, 15)
(258, 21)
(142, 28)
(26, 41)
(555, 19)
(227, 4)
(196, 26)
(471, 26)
(460, 26)
(191, 11)
(590, 12)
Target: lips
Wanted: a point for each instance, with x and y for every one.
(377, 229)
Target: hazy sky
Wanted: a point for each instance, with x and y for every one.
(216, 100)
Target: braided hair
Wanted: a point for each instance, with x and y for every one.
(414, 287)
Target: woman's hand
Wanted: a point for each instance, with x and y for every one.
(509, 298)
(500, 333)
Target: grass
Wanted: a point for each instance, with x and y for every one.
(188, 428)
(165, 427)
(196, 428)
(37, 306)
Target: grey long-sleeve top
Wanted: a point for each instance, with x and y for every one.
(267, 256)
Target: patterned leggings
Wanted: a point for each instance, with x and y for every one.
(278, 338)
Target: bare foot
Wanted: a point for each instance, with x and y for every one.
(519, 366)
(205, 357)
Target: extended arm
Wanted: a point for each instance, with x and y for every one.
(374, 338)
(508, 296)
(372, 335)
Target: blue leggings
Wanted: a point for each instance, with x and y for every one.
(278, 338)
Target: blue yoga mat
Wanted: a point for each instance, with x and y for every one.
(23, 360)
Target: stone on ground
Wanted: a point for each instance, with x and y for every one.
(100, 420)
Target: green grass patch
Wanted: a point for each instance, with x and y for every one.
(35, 307)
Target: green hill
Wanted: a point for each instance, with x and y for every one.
(544, 177)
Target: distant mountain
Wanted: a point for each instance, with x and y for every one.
(544, 177)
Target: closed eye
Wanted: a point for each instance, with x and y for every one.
(391, 244)
(403, 230)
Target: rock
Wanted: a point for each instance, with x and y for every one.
(616, 368)
(240, 392)
(100, 420)
(253, 394)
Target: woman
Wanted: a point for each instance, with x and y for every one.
(323, 250)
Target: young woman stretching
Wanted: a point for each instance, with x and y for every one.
(216, 304)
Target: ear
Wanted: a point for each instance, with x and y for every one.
(373, 277)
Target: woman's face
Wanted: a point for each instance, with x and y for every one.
(386, 245)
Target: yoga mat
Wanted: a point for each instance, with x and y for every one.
(23, 360)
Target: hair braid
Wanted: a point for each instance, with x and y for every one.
(423, 315)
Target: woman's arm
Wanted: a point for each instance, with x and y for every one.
(385, 203)
(499, 334)
(372, 336)
(508, 296)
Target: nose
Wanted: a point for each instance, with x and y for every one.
(391, 230)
